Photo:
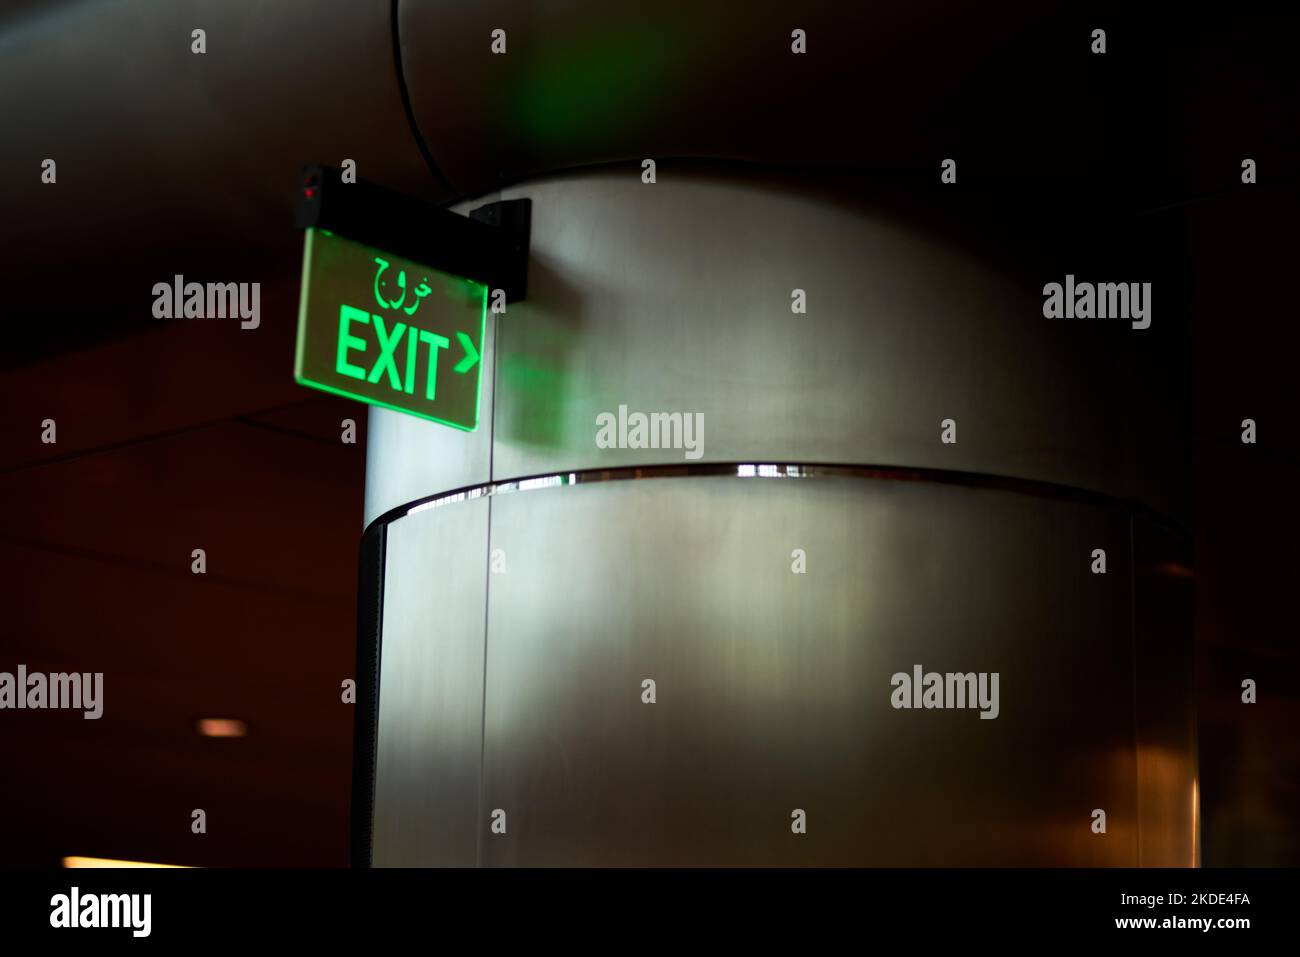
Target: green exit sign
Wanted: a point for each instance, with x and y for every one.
(381, 329)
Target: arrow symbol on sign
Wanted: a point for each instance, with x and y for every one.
(471, 354)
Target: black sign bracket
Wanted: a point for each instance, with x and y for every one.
(490, 245)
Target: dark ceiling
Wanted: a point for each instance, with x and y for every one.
(171, 162)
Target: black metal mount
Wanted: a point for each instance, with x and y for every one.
(490, 245)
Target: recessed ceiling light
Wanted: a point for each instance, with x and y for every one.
(222, 728)
(109, 862)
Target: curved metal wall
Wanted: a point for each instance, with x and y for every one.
(773, 688)
(677, 297)
(518, 627)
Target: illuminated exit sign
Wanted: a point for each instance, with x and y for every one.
(378, 328)
(393, 309)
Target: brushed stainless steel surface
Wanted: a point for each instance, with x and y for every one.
(431, 689)
(677, 297)
(774, 687)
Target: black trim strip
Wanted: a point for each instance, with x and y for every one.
(775, 470)
(489, 246)
(370, 621)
